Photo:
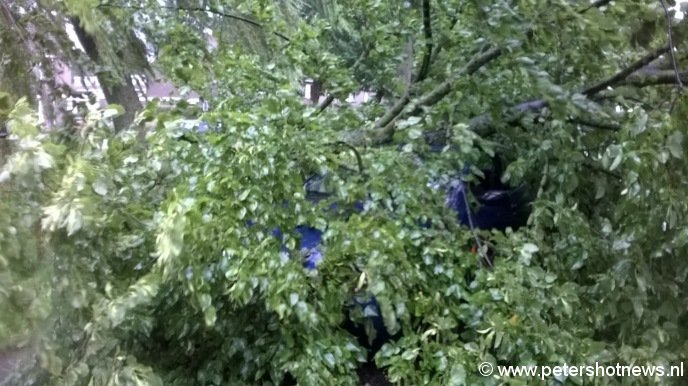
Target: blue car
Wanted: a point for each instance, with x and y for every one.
(498, 207)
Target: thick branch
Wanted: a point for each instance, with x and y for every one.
(393, 112)
(623, 74)
(656, 78)
(427, 29)
(482, 123)
(9, 18)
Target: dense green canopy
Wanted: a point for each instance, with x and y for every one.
(125, 257)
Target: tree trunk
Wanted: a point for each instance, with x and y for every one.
(316, 87)
(14, 76)
(48, 104)
(117, 91)
(4, 145)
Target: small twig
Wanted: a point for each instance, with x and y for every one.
(438, 48)
(184, 137)
(597, 169)
(328, 101)
(481, 251)
(541, 188)
(330, 98)
(596, 4)
(198, 9)
(595, 124)
(673, 102)
(679, 85)
(359, 160)
(543, 181)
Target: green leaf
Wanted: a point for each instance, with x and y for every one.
(675, 144)
(600, 188)
(74, 221)
(100, 187)
(210, 316)
(527, 251)
(112, 111)
(415, 133)
(616, 162)
(410, 355)
(458, 376)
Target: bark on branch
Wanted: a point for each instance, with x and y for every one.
(427, 30)
(117, 91)
(666, 77)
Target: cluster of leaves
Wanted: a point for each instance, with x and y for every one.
(25, 275)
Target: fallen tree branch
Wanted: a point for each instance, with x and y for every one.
(393, 112)
(481, 123)
(386, 122)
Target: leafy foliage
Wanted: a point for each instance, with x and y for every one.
(25, 275)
